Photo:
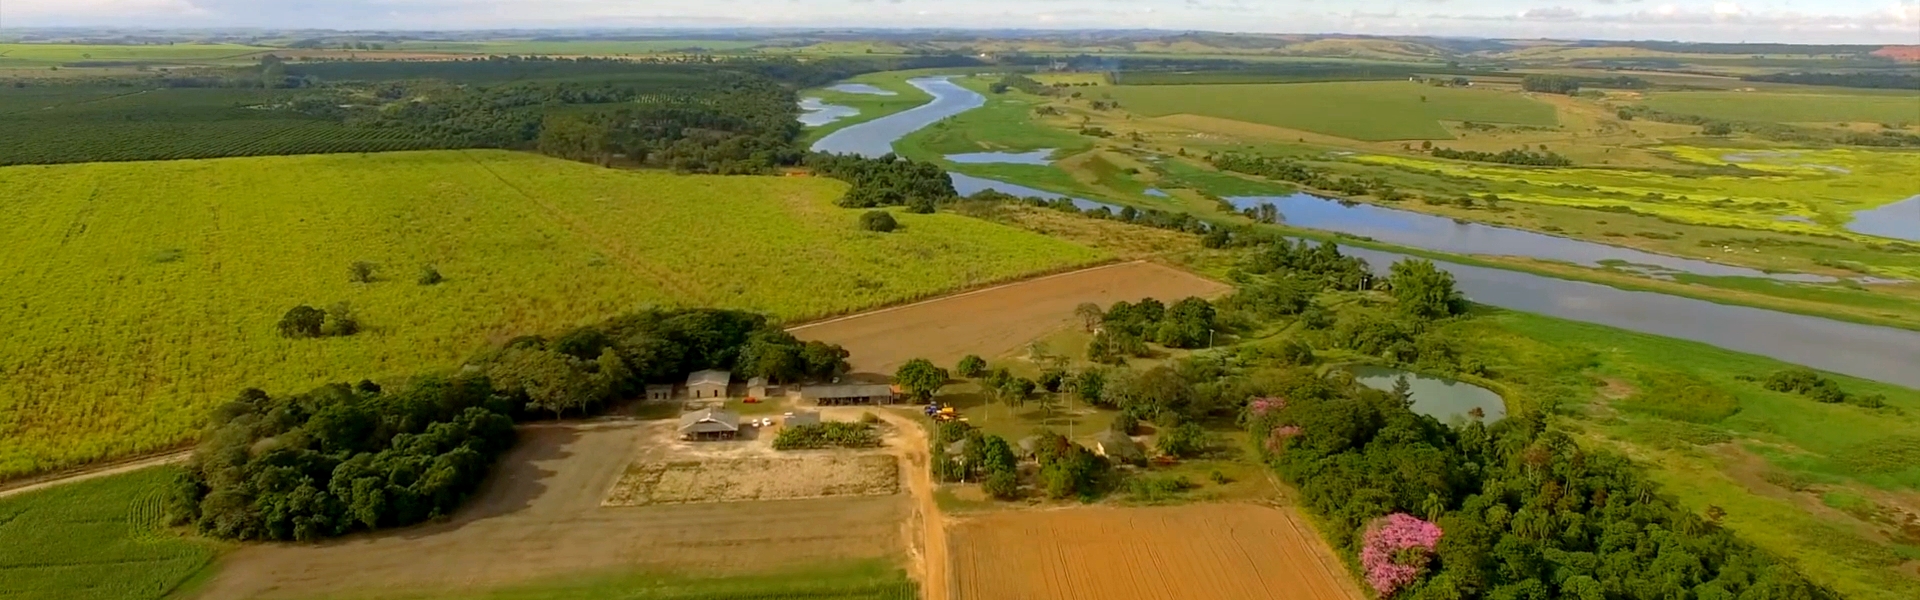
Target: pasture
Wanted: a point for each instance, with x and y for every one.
(141, 294)
(95, 540)
(576, 47)
(24, 54)
(1368, 111)
(1791, 107)
(1201, 552)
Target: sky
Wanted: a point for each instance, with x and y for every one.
(1805, 21)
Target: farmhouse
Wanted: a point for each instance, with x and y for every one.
(659, 391)
(840, 395)
(1117, 446)
(709, 424)
(708, 384)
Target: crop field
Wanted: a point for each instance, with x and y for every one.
(860, 580)
(14, 54)
(577, 47)
(993, 321)
(1200, 552)
(95, 540)
(141, 294)
(79, 124)
(1792, 108)
(539, 522)
(814, 475)
(1369, 111)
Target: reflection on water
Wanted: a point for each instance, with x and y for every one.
(1041, 157)
(1900, 220)
(1437, 397)
(1431, 232)
(861, 88)
(875, 138)
(820, 113)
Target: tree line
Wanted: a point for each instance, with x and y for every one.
(1293, 172)
(1511, 156)
(344, 458)
(1880, 80)
(886, 181)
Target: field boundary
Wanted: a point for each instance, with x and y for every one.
(96, 470)
(992, 286)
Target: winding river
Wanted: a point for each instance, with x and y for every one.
(1878, 353)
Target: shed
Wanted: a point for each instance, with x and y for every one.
(659, 391)
(840, 395)
(800, 418)
(708, 384)
(1117, 446)
(709, 424)
(757, 388)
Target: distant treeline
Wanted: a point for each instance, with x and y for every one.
(1514, 156)
(346, 458)
(1749, 49)
(1775, 131)
(1294, 172)
(1216, 72)
(1879, 81)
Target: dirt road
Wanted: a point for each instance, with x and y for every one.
(31, 484)
(930, 554)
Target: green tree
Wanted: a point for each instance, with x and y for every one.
(1424, 290)
(430, 275)
(972, 366)
(302, 322)
(362, 272)
(1185, 440)
(920, 379)
(878, 220)
(1089, 315)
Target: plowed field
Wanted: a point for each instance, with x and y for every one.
(1202, 552)
(993, 321)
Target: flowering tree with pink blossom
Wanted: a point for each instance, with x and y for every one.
(1261, 406)
(1396, 551)
(1277, 439)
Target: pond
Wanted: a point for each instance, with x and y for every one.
(1900, 220)
(1431, 232)
(1041, 157)
(861, 88)
(820, 113)
(1878, 353)
(1437, 397)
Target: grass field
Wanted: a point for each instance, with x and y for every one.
(1006, 123)
(54, 54)
(854, 581)
(576, 48)
(1768, 464)
(147, 292)
(95, 540)
(871, 106)
(1371, 111)
(1791, 108)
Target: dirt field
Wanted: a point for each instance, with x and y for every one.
(1200, 552)
(993, 321)
(816, 475)
(540, 516)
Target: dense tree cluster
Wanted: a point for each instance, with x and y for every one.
(1065, 469)
(1513, 156)
(886, 181)
(1550, 84)
(1189, 323)
(1521, 511)
(1020, 82)
(1319, 266)
(342, 458)
(1871, 80)
(1809, 383)
(1294, 172)
(301, 322)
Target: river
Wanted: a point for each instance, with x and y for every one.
(1877, 353)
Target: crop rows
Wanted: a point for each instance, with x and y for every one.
(94, 540)
(54, 143)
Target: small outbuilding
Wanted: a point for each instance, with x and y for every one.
(659, 391)
(851, 394)
(757, 388)
(709, 424)
(800, 418)
(708, 384)
(1117, 446)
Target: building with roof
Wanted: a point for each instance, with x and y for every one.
(849, 394)
(757, 388)
(659, 391)
(709, 424)
(1117, 446)
(708, 384)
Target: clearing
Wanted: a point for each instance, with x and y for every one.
(1198, 552)
(204, 257)
(540, 516)
(993, 321)
(1367, 110)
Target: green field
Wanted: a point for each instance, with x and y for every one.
(871, 106)
(1006, 123)
(68, 124)
(95, 540)
(576, 47)
(1792, 108)
(854, 581)
(143, 293)
(1370, 110)
(54, 54)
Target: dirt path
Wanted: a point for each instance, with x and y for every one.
(32, 484)
(931, 553)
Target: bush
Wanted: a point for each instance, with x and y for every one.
(1185, 441)
(362, 272)
(1002, 484)
(1158, 489)
(827, 435)
(430, 275)
(302, 322)
(878, 220)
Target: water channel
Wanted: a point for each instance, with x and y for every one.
(1878, 353)
(1900, 220)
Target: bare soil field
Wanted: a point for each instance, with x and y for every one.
(1199, 552)
(813, 475)
(540, 516)
(995, 320)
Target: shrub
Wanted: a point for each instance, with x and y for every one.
(1157, 489)
(1002, 484)
(302, 322)
(827, 435)
(878, 220)
(430, 275)
(362, 272)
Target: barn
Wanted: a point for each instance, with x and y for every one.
(853, 394)
(708, 384)
(709, 424)
(659, 391)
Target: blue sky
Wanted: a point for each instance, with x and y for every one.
(1822, 21)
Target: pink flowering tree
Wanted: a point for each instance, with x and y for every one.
(1396, 551)
(1277, 439)
(1260, 407)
